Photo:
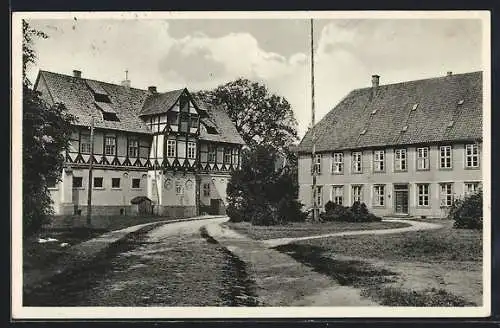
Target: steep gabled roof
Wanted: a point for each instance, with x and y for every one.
(404, 113)
(76, 95)
(218, 118)
(160, 102)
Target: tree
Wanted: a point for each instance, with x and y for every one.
(260, 118)
(261, 194)
(46, 134)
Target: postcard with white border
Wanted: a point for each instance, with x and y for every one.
(251, 164)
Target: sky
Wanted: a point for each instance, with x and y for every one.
(204, 53)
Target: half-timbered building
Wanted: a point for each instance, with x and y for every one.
(167, 146)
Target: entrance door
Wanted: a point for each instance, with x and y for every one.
(401, 199)
(215, 206)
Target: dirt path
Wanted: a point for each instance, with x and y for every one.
(282, 281)
(415, 226)
(171, 265)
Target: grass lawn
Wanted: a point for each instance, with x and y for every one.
(37, 255)
(302, 229)
(104, 222)
(440, 267)
(71, 230)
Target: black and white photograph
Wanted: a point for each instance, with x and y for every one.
(251, 164)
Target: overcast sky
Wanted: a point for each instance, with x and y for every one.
(201, 54)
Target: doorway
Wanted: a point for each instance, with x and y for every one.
(401, 198)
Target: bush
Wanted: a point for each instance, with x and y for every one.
(358, 212)
(468, 212)
(259, 194)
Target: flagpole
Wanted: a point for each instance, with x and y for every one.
(313, 157)
(91, 160)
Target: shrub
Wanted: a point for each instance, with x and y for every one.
(259, 194)
(468, 212)
(336, 212)
(358, 212)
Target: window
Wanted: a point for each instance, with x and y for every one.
(211, 130)
(357, 157)
(471, 155)
(235, 156)
(98, 182)
(136, 183)
(178, 188)
(423, 158)
(445, 157)
(171, 148)
(379, 160)
(400, 160)
(77, 182)
(471, 188)
(317, 164)
(115, 183)
(206, 190)
(85, 143)
(133, 148)
(338, 194)
(379, 195)
(173, 118)
(110, 145)
(110, 117)
(338, 163)
(184, 122)
(227, 155)
(194, 121)
(191, 150)
(212, 153)
(446, 194)
(356, 193)
(423, 194)
(319, 196)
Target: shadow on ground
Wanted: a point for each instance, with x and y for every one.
(374, 282)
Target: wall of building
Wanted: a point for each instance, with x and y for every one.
(458, 175)
(218, 185)
(121, 144)
(105, 200)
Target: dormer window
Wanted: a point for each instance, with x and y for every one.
(211, 130)
(107, 111)
(100, 95)
(102, 98)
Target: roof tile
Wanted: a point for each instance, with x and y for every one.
(438, 104)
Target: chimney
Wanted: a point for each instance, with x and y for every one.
(152, 89)
(449, 73)
(126, 83)
(375, 83)
(77, 73)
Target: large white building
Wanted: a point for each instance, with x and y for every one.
(163, 145)
(405, 149)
